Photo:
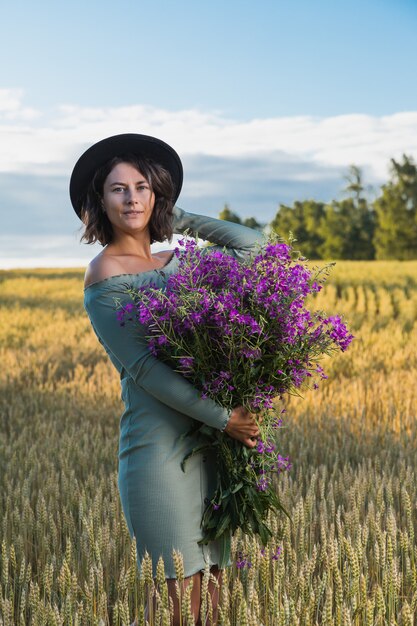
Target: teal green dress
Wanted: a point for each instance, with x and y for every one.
(162, 504)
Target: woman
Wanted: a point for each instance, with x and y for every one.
(124, 189)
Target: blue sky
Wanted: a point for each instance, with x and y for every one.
(266, 102)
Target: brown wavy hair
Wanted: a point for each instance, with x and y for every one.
(97, 226)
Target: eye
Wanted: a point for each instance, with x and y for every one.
(118, 189)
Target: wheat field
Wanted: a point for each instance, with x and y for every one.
(347, 557)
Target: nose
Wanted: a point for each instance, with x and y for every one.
(131, 196)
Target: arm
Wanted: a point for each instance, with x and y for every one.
(240, 240)
(128, 350)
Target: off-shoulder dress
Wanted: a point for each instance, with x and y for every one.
(162, 504)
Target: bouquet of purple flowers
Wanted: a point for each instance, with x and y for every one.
(242, 334)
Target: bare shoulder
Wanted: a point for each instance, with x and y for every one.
(101, 267)
(105, 265)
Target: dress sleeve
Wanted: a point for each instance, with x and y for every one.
(128, 350)
(239, 241)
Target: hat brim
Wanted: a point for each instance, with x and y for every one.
(98, 154)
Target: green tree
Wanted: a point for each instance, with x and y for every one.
(347, 226)
(347, 230)
(357, 219)
(228, 215)
(396, 213)
(251, 222)
(303, 220)
(355, 186)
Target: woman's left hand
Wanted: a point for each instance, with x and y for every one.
(243, 427)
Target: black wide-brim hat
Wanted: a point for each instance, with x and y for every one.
(143, 146)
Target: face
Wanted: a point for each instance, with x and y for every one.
(128, 199)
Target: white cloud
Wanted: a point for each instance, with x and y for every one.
(253, 165)
(49, 143)
(11, 107)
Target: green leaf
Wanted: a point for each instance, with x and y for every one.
(223, 526)
(225, 549)
(194, 451)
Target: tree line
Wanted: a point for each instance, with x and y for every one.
(354, 227)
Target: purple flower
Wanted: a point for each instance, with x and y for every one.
(338, 332)
(270, 447)
(260, 447)
(186, 362)
(253, 340)
(242, 561)
(283, 464)
(278, 551)
(263, 483)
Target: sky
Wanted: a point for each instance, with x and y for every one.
(266, 103)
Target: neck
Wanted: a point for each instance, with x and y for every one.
(138, 245)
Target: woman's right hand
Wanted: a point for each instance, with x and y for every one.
(243, 427)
